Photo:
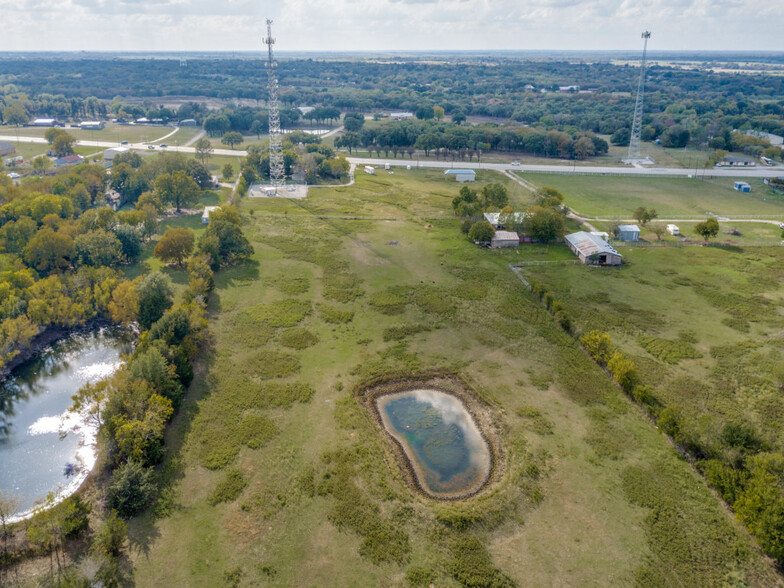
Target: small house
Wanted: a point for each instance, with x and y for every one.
(498, 219)
(628, 232)
(505, 239)
(91, 125)
(673, 230)
(68, 160)
(593, 250)
(205, 216)
(731, 161)
(6, 149)
(461, 175)
(742, 187)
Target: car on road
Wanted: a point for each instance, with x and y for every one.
(123, 142)
(164, 146)
(150, 146)
(781, 226)
(515, 162)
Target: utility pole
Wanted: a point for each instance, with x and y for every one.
(277, 171)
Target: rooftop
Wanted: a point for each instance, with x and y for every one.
(628, 228)
(588, 244)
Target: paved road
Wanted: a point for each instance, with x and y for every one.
(756, 172)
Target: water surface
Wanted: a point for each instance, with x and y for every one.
(440, 439)
(43, 447)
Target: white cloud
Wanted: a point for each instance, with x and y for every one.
(306, 25)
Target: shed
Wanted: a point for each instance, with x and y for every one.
(673, 230)
(188, 122)
(461, 175)
(742, 187)
(593, 250)
(6, 148)
(45, 122)
(628, 232)
(91, 125)
(205, 216)
(505, 239)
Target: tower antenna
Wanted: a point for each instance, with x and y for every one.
(275, 148)
(634, 140)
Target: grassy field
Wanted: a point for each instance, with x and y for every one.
(112, 132)
(278, 477)
(617, 197)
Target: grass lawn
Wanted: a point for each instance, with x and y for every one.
(376, 279)
(618, 197)
(111, 132)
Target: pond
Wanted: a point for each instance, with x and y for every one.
(43, 447)
(447, 452)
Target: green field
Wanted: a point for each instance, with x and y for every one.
(375, 280)
(619, 196)
(112, 132)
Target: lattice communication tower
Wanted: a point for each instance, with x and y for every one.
(634, 141)
(275, 147)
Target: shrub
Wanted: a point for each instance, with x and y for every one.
(470, 564)
(624, 371)
(111, 536)
(229, 488)
(669, 350)
(255, 430)
(333, 315)
(298, 339)
(272, 364)
(599, 346)
(419, 576)
(403, 331)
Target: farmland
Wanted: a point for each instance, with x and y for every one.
(277, 476)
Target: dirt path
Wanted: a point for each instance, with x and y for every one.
(194, 139)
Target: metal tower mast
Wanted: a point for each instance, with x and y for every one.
(634, 141)
(275, 149)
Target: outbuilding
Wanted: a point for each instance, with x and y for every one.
(461, 175)
(505, 239)
(628, 232)
(69, 160)
(742, 187)
(91, 125)
(593, 250)
(45, 122)
(110, 154)
(205, 216)
(188, 122)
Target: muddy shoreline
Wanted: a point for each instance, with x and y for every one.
(481, 413)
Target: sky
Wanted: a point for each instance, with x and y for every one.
(382, 25)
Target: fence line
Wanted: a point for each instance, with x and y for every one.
(663, 244)
(522, 264)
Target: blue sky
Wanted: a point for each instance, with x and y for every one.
(366, 25)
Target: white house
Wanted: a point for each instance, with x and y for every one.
(593, 250)
(205, 216)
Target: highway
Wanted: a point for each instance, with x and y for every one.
(755, 172)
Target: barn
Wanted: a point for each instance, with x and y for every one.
(593, 250)
(505, 239)
(461, 175)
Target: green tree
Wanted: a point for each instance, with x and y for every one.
(232, 138)
(131, 488)
(51, 134)
(98, 248)
(48, 251)
(15, 114)
(761, 506)
(544, 224)
(177, 188)
(8, 507)
(495, 195)
(155, 298)
(624, 371)
(111, 537)
(481, 232)
(124, 305)
(224, 242)
(644, 215)
(548, 197)
(200, 278)
(130, 241)
(599, 346)
(41, 164)
(203, 149)
(227, 172)
(707, 229)
(175, 245)
(438, 112)
(63, 144)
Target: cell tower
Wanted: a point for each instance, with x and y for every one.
(275, 147)
(634, 141)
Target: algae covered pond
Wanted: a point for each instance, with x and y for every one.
(439, 437)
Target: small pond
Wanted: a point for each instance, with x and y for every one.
(43, 447)
(439, 437)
